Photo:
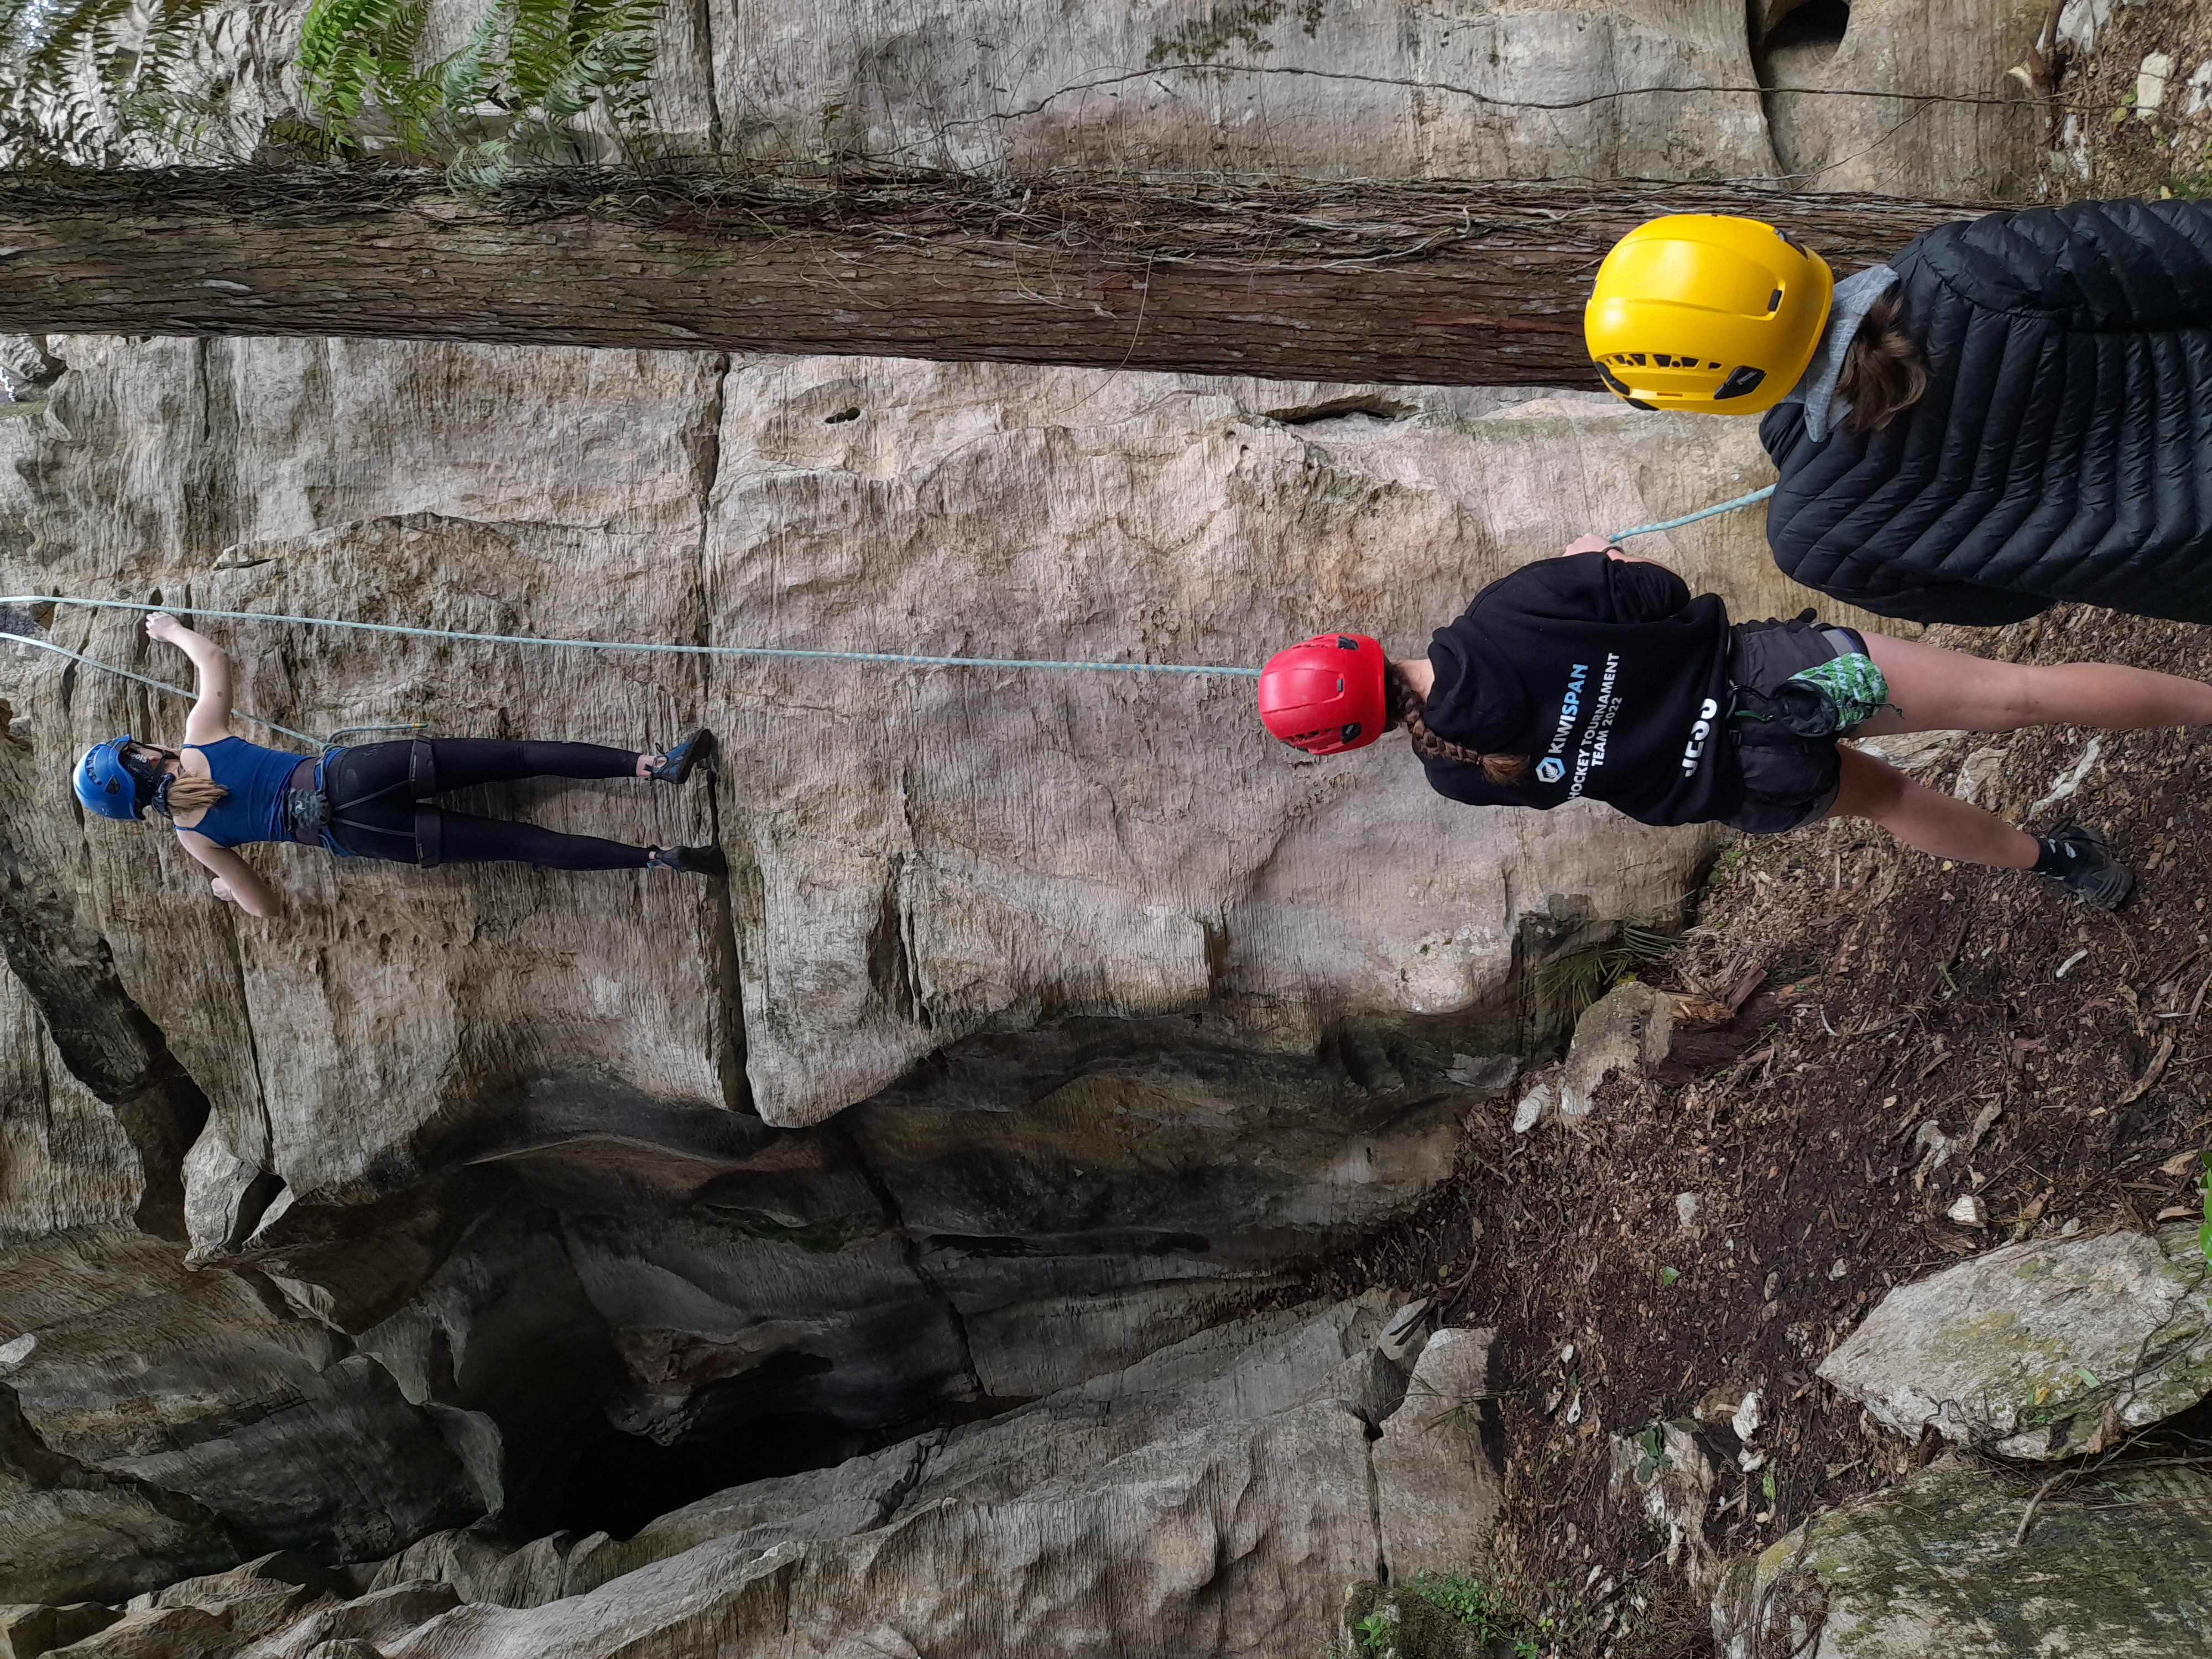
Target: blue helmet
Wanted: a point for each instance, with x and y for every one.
(108, 781)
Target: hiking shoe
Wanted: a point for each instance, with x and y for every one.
(692, 860)
(2078, 861)
(677, 761)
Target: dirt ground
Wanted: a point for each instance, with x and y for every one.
(2105, 142)
(2063, 1055)
(1882, 990)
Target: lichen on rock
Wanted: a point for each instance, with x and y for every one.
(2026, 1350)
(2118, 1567)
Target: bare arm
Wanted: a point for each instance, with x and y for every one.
(209, 721)
(233, 878)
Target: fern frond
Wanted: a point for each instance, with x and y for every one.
(465, 79)
(536, 82)
(81, 81)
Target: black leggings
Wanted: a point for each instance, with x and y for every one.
(372, 794)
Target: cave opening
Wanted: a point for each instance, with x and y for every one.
(1801, 37)
(616, 1483)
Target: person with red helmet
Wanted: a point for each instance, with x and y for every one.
(1595, 676)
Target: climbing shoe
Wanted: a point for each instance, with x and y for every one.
(692, 860)
(676, 763)
(2078, 861)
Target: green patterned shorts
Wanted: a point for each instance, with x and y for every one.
(1799, 686)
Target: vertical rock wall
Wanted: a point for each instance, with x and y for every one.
(1046, 1018)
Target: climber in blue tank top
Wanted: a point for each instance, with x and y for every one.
(221, 793)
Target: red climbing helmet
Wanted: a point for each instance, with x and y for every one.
(1325, 695)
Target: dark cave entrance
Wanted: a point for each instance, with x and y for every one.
(616, 1483)
(1803, 37)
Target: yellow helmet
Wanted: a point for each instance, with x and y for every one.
(1700, 311)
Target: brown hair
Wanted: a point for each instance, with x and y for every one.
(1405, 706)
(1883, 376)
(189, 794)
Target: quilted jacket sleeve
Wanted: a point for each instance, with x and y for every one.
(2097, 267)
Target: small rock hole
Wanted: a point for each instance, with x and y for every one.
(1798, 38)
(840, 417)
(1339, 408)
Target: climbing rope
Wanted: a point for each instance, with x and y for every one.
(782, 653)
(901, 658)
(159, 685)
(1692, 518)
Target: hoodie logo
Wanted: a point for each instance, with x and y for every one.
(1550, 769)
(1708, 712)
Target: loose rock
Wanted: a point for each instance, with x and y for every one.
(1667, 1466)
(2150, 84)
(1938, 1566)
(2023, 1349)
(1631, 1025)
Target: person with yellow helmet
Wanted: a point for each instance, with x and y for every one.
(2013, 411)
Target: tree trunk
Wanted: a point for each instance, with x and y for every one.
(1426, 284)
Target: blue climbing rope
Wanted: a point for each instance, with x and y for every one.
(1692, 518)
(903, 660)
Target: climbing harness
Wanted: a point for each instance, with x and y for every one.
(1829, 699)
(311, 816)
(901, 659)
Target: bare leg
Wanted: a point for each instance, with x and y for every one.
(1934, 690)
(1927, 818)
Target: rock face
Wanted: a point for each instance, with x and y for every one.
(2117, 1568)
(2040, 1350)
(1045, 1021)
(167, 1422)
(1326, 87)
(1437, 1494)
(899, 891)
(1215, 1497)
(1340, 89)
(1975, 138)
(1810, 94)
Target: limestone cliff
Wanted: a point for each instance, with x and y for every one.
(1046, 1023)
(1047, 1018)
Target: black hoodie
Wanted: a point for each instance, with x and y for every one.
(1606, 674)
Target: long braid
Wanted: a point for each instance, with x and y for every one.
(1407, 707)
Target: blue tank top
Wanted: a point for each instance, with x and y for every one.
(256, 778)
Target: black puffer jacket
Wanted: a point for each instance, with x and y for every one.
(2063, 450)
